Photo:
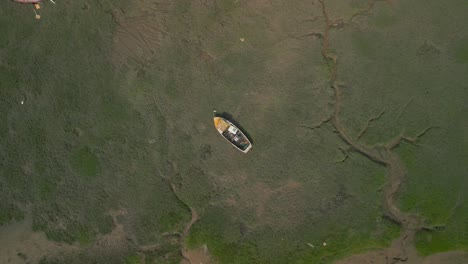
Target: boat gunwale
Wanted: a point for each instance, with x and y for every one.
(243, 134)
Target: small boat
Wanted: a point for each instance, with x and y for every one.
(232, 134)
(28, 1)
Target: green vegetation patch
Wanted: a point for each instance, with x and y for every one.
(47, 188)
(134, 259)
(84, 236)
(77, 119)
(433, 242)
(10, 213)
(384, 17)
(461, 51)
(86, 163)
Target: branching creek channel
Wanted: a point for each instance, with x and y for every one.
(402, 248)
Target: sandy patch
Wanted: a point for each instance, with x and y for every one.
(19, 244)
(198, 256)
(117, 235)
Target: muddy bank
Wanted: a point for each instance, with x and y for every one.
(196, 256)
(20, 244)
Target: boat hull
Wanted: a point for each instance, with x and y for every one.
(28, 1)
(233, 134)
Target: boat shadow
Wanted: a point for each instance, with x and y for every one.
(229, 117)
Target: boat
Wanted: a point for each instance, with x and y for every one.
(232, 133)
(28, 1)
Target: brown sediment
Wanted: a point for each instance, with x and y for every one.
(19, 243)
(118, 234)
(402, 249)
(198, 256)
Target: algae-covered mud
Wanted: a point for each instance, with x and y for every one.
(356, 111)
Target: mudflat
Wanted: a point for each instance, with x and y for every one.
(108, 153)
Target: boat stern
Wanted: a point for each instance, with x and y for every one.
(248, 148)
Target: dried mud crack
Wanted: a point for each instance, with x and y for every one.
(403, 248)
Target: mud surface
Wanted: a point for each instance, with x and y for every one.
(355, 109)
(20, 244)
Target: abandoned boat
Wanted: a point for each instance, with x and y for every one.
(28, 1)
(232, 134)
